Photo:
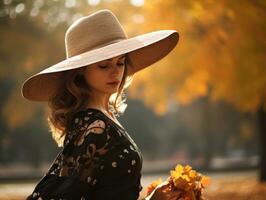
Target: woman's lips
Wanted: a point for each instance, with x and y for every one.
(114, 83)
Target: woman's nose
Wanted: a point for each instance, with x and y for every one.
(115, 69)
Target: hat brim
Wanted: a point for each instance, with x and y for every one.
(143, 50)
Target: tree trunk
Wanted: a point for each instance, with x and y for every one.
(208, 137)
(262, 138)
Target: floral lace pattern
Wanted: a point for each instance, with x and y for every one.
(102, 155)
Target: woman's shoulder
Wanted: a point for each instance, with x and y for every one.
(86, 116)
(84, 121)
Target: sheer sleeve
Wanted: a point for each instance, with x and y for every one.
(82, 158)
(78, 167)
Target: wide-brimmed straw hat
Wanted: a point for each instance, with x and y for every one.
(95, 38)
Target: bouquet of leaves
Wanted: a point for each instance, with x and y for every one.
(186, 181)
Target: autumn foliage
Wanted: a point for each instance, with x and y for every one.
(186, 180)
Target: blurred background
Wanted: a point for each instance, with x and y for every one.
(203, 105)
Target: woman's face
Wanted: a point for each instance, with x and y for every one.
(105, 76)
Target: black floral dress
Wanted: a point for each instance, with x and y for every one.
(101, 162)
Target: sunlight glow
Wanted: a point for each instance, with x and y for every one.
(76, 16)
(38, 4)
(20, 8)
(93, 2)
(138, 18)
(137, 3)
(34, 12)
(70, 3)
(6, 2)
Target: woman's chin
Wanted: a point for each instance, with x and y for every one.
(112, 91)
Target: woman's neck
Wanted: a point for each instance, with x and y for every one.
(99, 101)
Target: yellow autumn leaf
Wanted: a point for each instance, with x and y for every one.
(205, 181)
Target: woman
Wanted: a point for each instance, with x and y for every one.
(84, 92)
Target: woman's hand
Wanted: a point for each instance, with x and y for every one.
(161, 192)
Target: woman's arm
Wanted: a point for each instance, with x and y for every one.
(70, 179)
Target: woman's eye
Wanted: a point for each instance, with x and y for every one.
(103, 66)
(121, 64)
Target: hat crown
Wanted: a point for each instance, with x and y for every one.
(94, 31)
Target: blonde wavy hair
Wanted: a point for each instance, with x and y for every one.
(73, 96)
